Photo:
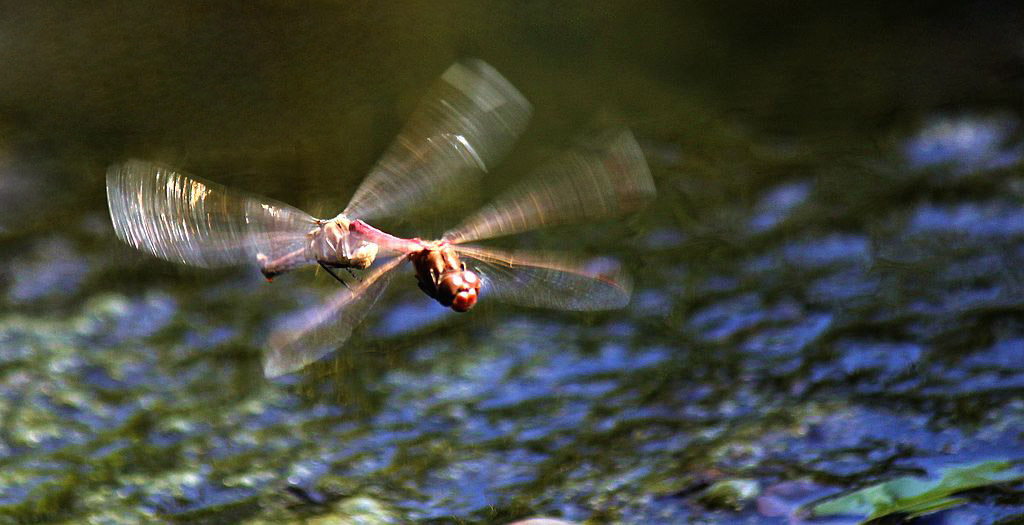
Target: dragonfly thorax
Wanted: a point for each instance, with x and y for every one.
(331, 243)
(442, 276)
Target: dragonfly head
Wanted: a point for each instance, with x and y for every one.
(459, 289)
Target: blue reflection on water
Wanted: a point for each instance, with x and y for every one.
(968, 143)
(409, 316)
(778, 204)
(986, 219)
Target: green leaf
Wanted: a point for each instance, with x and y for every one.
(919, 496)
(934, 506)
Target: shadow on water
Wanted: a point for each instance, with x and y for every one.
(828, 295)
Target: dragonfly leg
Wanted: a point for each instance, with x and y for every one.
(353, 274)
(329, 270)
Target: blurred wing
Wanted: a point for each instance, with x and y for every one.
(550, 281)
(311, 334)
(185, 219)
(464, 125)
(593, 183)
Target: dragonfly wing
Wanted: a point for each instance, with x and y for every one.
(607, 180)
(307, 336)
(186, 219)
(549, 280)
(465, 124)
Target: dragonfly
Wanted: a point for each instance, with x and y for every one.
(466, 122)
(608, 178)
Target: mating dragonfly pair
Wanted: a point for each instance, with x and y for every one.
(464, 125)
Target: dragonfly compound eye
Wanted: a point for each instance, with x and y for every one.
(464, 300)
(459, 290)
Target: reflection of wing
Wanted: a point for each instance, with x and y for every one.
(465, 124)
(309, 335)
(550, 281)
(582, 184)
(189, 220)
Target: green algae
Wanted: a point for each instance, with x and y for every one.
(730, 494)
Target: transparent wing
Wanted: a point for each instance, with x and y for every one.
(185, 219)
(550, 280)
(610, 179)
(464, 125)
(307, 336)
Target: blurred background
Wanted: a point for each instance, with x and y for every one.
(829, 291)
